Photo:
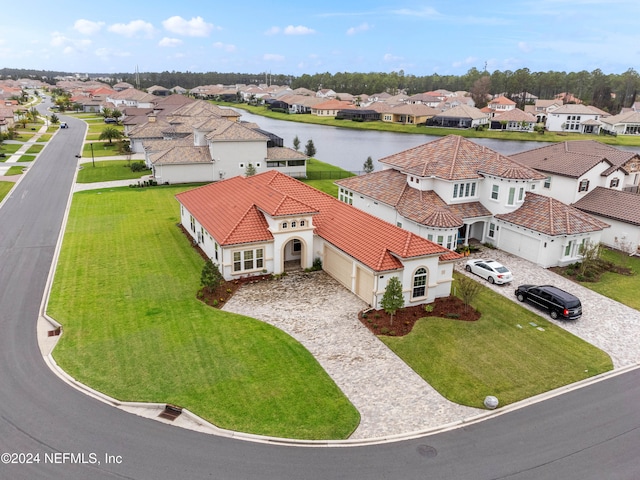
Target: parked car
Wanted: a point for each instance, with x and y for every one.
(64, 125)
(490, 270)
(110, 120)
(557, 302)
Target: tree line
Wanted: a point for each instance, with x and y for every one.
(609, 92)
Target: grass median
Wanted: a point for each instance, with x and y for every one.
(109, 170)
(510, 353)
(124, 291)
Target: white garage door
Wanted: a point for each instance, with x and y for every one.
(364, 285)
(338, 266)
(519, 244)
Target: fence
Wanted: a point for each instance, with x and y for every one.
(330, 174)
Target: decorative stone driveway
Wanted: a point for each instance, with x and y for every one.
(605, 323)
(322, 315)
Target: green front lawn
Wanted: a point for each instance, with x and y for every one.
(125, 291)
(5, 188)
(108, 170)
(34, 149)
(622, 288)
(15, 170)
(100, 149)
(10, 148)
(501, 354)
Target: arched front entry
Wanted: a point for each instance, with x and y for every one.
(292, 255)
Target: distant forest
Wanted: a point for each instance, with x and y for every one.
(609, 92)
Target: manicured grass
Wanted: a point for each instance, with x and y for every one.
(10, 148)
(33, 149)
(108, 170)
(322, 176)
(15, 170)
(44, 138)
(466, 361)
(622, 288)
(5, 188)
(125, 291)
(627, 140)
(26, 158)
(100, 149)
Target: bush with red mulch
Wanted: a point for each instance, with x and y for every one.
(379, 322)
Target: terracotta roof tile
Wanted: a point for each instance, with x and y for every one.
(226, 210)
(552, 217)
(573, 158)
(456, 158)
(613, 204)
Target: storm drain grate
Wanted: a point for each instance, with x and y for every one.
(171, 412)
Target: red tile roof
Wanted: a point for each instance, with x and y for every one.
(456, 158)
(231, 211)
(552, 217)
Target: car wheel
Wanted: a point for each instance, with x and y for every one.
(554, 314)
(491, 280)
(520, 297)
(467, 268)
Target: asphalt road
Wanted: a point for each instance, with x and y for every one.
(591, 433)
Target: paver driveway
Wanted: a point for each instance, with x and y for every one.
(322, 315)
(605, 323)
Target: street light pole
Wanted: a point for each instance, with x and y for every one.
(93, 161)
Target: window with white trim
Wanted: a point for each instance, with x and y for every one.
(419, 283)
(492, 230)
(495, 189)
(464, 189)
(614, 183)
(583, 186)
(547, 182)
(345, 196)
(512, 196)
(246, 260)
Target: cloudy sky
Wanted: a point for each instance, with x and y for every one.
(249, 36)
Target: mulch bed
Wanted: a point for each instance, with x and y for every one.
(378, 321)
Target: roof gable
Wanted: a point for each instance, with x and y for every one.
(225, 210)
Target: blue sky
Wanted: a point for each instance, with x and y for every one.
(418, 37)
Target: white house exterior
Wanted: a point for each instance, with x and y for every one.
(619, 209)
(452, 190)
(270, 223)
(574, 118)
(627, 123)
(575, 168)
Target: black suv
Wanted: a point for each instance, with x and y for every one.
(559, 303)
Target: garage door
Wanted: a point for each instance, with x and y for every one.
(519, 244)
(338, 266)
(364, 285)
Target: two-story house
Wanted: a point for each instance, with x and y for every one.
(270, 223)
(596, 178)
(452, 190)
(575, 118)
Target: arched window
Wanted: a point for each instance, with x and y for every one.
(419, 283)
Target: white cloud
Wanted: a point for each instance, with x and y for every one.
(58, 40)
(299, 30)
(525, 47)
(132, 28)
(196, 27)
(466, 61)
(359, 29)
(227, 47)
(425, 12)
(87, 27)
(391, 58)
(169, 42)
(273, 57)
(272, 31)
(107, 52)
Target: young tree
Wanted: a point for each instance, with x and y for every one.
(54, 119)
(310, 149)
(211, 278)
(392, 300)
(468, 289)
(110, 133)
(106, 112)
(250, 171)
(296, 143)
(368, 165)
(590, 252)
